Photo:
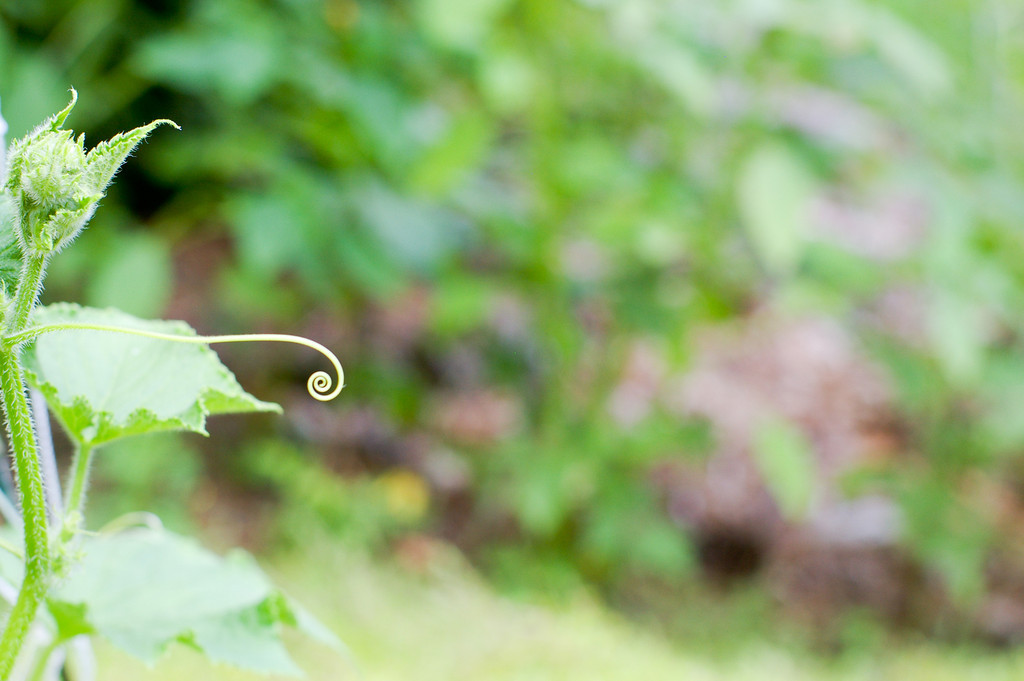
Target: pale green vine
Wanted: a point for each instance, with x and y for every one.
(318, 385)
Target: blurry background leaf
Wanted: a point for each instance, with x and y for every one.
(460, 24)
(786, 461)
(774, 192)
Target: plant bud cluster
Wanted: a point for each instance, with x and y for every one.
(55, 185)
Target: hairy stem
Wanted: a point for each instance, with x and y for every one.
(29, 475)
(27, 293)
(79, 476)
(33, 508)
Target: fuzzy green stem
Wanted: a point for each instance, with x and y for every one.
(29, 474)
(27, 293)
(79, 476)
(33, 508)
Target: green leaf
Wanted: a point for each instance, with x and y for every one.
(957, 329)
(460, 305)
(10, 249)
(784, 457)
(508, 80)
(267, 237)
(244, 639)
(234, 51)
(145, 589)
(104, 385)
(455, 156)
(460, 24)
(680, 72)
(71, 619)
(919, 60)
(413, 233)
(773, 192)
(105, 158)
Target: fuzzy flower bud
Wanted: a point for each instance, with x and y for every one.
(55, 185)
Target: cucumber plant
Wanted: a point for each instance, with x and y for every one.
(106, 375)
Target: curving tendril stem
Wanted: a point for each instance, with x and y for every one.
(318, 385)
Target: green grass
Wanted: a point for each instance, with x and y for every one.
(443, 623)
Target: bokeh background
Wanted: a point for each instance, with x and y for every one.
(705, 317)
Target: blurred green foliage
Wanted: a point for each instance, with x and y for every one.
(486, 205)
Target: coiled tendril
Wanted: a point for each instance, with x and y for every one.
(319, 384)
